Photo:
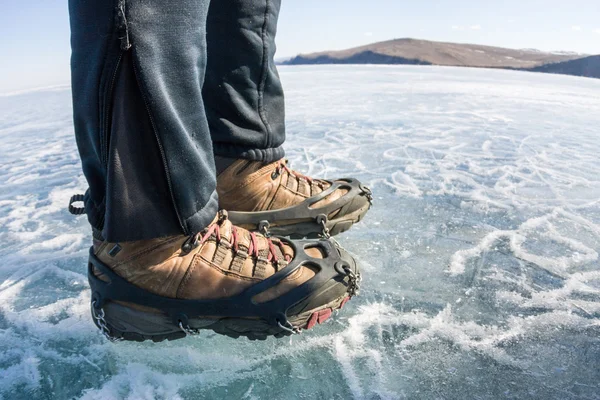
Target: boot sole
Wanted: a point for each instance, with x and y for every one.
(130, 324)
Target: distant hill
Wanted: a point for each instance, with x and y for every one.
(587, 66)
(424, 52)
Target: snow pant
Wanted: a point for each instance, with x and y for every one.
(159, 88)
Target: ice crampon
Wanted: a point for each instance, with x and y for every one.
(273, 196)
(227, 279)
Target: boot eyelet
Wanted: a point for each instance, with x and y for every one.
(275, 175)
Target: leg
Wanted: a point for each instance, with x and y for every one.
(138, 68)
(245, 109)
(243, 94)
(137, 73)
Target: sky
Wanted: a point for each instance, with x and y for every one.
(35, 49)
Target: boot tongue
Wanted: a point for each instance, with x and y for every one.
(225, 226)
(214, 221)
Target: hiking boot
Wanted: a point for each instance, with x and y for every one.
(230, 280)
(274, 197)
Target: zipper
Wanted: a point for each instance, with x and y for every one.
(107, 114)
(160, 148)
(122, 32)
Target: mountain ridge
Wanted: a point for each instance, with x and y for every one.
(424, 52)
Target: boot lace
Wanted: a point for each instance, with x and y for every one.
(253, 247)
(283, 167)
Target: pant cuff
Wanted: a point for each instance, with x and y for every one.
(233, 151)
(95, 212)
(193, 224)
(202, 218)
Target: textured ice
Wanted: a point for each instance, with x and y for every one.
(480, 256)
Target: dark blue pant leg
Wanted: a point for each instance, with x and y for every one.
(137, 74)
(243, 96)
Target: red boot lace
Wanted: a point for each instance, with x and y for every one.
(253, 249)
(282, 166)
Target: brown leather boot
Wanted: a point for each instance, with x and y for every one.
(260, 196)
(226, 279)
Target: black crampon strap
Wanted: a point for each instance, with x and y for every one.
(306, 208)
(76, 210)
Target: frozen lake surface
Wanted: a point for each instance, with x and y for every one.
(480, 255)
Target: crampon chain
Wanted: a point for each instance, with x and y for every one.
(98, 314)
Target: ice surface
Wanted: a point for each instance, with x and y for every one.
(480, 256)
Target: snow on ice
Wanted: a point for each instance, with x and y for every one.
(480, 256)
